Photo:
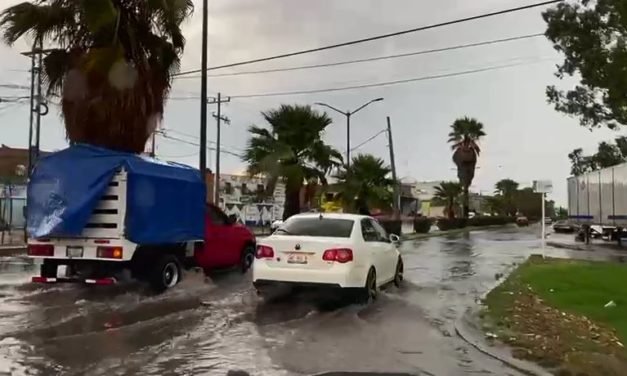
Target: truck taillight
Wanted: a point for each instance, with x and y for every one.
(41, 250)
(109, 252)
(264, 251)
(341, 255)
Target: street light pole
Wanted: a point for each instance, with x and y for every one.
(348, 115)
(348, 140)
(202, 164)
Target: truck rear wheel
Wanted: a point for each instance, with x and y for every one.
(166, 273)
(48, 269)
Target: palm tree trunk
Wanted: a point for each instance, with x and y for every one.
(466, 202)
(292, 198)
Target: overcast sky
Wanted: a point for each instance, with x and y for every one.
(526, 139)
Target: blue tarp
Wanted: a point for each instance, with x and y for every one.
(165, 201)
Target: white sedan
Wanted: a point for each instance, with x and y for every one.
(351, 252)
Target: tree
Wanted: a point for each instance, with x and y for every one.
(495, 205)
(291, 150)
(464, 135)
(561, 213)
(110, 61)
(507, 189)
(448, 193)
(592, 35)
(579, 163)
(366, 184)
(607, 155)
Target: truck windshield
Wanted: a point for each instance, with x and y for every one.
(319, 227)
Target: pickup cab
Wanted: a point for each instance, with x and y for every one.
(227, 244)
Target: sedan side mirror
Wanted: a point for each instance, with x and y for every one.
(395, 239)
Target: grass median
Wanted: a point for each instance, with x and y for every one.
(556, 312)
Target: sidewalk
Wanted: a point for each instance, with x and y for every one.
(597, 247)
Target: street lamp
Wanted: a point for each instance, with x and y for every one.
(348, 115)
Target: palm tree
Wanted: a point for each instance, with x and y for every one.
(110, 61)
(291, 150)
(448, 193)
(366, 184)
(464, 135)
(507, 190)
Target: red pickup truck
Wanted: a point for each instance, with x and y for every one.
(227, 244)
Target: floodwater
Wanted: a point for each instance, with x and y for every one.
(213, 326)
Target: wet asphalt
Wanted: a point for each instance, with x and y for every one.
(210, 326)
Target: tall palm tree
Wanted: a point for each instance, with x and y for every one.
(464, 136)
(291, 150)
(110, 61)
(366, 184)
(507, 190)
(448, 193)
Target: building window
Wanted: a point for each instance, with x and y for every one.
(244, 189)
(260, 188)
(228, 188)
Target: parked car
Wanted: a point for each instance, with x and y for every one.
(227, 243)
(548, 220)
(522, 221)
(349, 252)
(564, 226)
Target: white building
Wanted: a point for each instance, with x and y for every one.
(242, 196)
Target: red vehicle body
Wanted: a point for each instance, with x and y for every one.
(226, 244)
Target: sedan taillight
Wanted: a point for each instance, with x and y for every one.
(341, 255)
(263, 251)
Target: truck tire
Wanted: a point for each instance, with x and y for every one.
(165, 274)
(48, 269)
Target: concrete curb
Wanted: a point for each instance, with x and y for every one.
(452, 232)
(573, 247)
(468, 332)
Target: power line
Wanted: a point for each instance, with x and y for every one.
(376, 58)
(379, 84)
(195, 144)
(369, 139)
(197, 138)
(378, 37)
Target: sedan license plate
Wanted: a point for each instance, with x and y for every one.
(297, 258)
(73, 252)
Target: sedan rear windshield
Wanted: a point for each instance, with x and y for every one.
(320, 227)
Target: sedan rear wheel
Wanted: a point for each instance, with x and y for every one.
(370, 290)
(398, 276)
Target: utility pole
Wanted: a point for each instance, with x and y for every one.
(397, 195)
(202, 164)
(152, 144)
(219, 119)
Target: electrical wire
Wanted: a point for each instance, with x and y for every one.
(197, 138)
(377, 37)
(376, 58)
(369, 139)
(196, 144)
(378, 84)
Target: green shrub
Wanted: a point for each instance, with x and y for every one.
(392, 226)
(422, 225)
(445, 224)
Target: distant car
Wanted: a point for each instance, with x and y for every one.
(522, 221)
(564, 227)
(349, 252)
(548, 220)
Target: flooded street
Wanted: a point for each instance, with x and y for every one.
(209, 328)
